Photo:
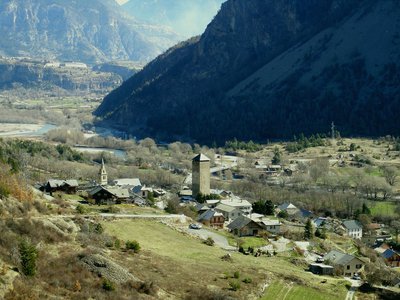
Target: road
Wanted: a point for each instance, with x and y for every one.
(219, 240)
(354, 285)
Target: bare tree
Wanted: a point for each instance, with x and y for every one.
(390, 173)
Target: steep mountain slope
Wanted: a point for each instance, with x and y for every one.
(188, 18)
(89, 31)
(270, 69)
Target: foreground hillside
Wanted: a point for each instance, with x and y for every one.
(78, 250)
(89, 31)
(294, 66)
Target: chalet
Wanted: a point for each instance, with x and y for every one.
(391, 257)
(243, 226)
(289, 208)
(320, 222)
(212, 218)
(229, 212)
(350, 264)
(272, 226)
(201, 208)
(321, 269)
(212, 203)
(109, 195)
(127, 182)
(353, 229)
(243, 205)
(66, 186)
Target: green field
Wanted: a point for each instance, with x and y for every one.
(383, 208)
(190, 262)
(291, 291)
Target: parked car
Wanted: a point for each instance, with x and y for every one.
(356, 277)
(195, 226)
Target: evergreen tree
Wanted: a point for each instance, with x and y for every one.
(308, 230)
(365, 210)
(269, 208)
(28, 255)
(276, 159)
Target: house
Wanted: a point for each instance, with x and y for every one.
(212, 203)
(109, 195)
(222, 193)
(321, 269)
(350, 264)
(243, 205)
(289, 208)
(353, 229)
(127, 182)
(201, 208)
(243, 226)
(229, 212)
(212, 218)
(272, 226)
(391, 257)
(320, 222)
(303, 214)
(66, 186)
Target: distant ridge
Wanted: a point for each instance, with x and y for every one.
(268, 69)
(90, 31)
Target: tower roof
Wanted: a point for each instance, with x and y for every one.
(201, 157)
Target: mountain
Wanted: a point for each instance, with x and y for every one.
(86, 30)
(268, 69)
(42, 76)
(188, 18)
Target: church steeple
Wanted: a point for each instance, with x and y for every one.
(103, 174)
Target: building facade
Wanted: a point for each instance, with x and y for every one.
(200, 175)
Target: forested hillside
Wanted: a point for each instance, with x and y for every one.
(271, 69)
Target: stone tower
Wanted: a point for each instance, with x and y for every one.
(103, 174)
(200, 175)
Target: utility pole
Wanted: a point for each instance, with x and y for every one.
(333, 130)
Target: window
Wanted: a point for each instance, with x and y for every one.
(358, 266)
(348, 267)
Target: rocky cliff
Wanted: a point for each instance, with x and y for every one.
(90, 31)
(72, 77)
(270, 69)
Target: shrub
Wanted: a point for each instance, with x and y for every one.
(132, 245)
(236, 274)
(28, 256)
(80, 209)
(108, 285)
(98, 228)
(234, 285)
(117, 244)
(247, 280)
(4, 191)
(209, 241)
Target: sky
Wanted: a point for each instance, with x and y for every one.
(121, 1)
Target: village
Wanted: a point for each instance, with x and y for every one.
(222, 217)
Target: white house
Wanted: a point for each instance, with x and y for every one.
(353, 229)
(244, 205)
(229, 212)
